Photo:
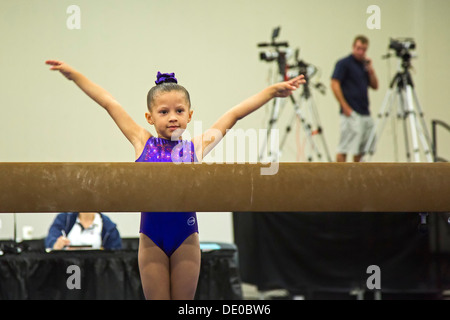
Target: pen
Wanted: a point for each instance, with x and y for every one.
(63, 233)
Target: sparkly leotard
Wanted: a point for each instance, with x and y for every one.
(168, 230)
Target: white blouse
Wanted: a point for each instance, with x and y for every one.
(91, 236)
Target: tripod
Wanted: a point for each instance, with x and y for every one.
(409, 110)
(314, 128)
(305, 99)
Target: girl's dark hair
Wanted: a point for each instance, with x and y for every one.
(165, 82)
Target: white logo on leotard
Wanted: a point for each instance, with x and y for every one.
(191, 221)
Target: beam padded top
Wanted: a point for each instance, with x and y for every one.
(296, 187)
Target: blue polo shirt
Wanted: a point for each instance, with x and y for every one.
(354, 79)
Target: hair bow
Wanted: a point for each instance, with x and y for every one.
(165, 77)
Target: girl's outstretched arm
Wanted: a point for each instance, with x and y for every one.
(136, 134)
(214, 134)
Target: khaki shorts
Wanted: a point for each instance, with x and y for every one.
(355, 132)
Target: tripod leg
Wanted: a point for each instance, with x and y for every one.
(402, 113)
(288, 129)
(311, 146)
(316, 122)
(306, 127)
(307, 150)
(425, 139)
(411, 115)
(307, 115)
(419, 108)
(425, 145)
(273, 119)
(424, 142)
(394, 136)
(379, 124)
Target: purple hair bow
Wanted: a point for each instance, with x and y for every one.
(165, 77)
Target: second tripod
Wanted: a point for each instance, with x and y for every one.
(401, 89)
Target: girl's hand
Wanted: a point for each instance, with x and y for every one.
(62, 67)
(285, 89)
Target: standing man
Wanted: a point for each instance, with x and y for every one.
(350, 81)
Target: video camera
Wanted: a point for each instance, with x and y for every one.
(402, 46)
(271, 55)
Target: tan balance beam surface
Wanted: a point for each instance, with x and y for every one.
(296, 187)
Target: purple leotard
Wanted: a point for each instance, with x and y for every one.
(168, 230)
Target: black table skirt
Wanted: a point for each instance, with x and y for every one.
(106, 275)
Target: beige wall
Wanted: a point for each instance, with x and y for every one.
(211, 45)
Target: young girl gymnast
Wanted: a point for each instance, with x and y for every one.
(169, 249)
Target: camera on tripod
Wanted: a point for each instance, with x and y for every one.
(402, 46)
(268, 56)
(279, 52)
(275, 52)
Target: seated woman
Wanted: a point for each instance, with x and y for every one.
(92, 229)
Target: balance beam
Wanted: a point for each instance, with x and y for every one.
(296, 187)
